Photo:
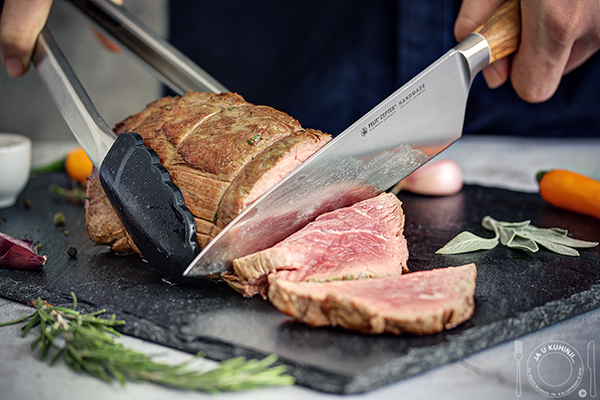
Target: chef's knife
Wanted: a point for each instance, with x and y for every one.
(149, 205)
(396, 137)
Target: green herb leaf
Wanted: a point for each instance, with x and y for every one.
(555, 236)
(89, 346)
(491, 224)
(519, 242)
(507, 235)
(518, 235)
(78, 194)
(558, 248)
(254, 139)
(466, 242)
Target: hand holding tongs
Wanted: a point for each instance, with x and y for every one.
(140, 189)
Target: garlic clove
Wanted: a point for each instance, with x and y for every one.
(437, 178)
(20, 254)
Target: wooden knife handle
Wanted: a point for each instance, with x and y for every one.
(503, 30)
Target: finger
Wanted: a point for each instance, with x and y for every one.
(582, 49)
(472, 14)
(578, 57)
(20, 24)
(543, 54)
(497, 73)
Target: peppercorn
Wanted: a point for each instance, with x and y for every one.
(72, 252)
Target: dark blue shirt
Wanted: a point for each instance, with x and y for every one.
(328, 62)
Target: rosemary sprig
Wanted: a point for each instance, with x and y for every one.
(89, 346)
(77, 194)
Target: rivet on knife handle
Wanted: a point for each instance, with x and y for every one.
(503, 30)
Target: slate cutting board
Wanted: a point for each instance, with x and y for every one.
(516, 293)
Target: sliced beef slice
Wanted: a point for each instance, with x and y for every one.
(362, 241)
(418, 303)
(221, 152)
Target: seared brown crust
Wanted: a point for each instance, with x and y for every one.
(419, 303)
(204, 140)
(228, 140)
(100, 213)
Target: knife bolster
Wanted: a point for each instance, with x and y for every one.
(476, 51)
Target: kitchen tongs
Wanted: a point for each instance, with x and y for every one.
(149, 205)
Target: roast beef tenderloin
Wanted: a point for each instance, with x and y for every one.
(221, 151)
(344, 269)
(364, 240)
(418, 303)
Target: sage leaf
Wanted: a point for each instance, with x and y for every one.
(491, 224)
(539, 234)
(558, 248)
(506, 235)
(523, 243)
(563, 232)
(517, 235)
(466, 242)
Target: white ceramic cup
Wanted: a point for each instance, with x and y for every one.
(15, 167)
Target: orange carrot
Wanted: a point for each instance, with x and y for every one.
(571, 191)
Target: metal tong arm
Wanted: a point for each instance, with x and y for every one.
(149, 205)
(164, 61)
(72, 99)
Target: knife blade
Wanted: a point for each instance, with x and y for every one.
(591, 364)
(400, 134)
(149, 205)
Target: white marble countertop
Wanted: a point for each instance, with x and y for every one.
(491, 374)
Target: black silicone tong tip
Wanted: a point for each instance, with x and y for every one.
(150, 206)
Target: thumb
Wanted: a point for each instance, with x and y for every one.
(472, 14)
(20, 24)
